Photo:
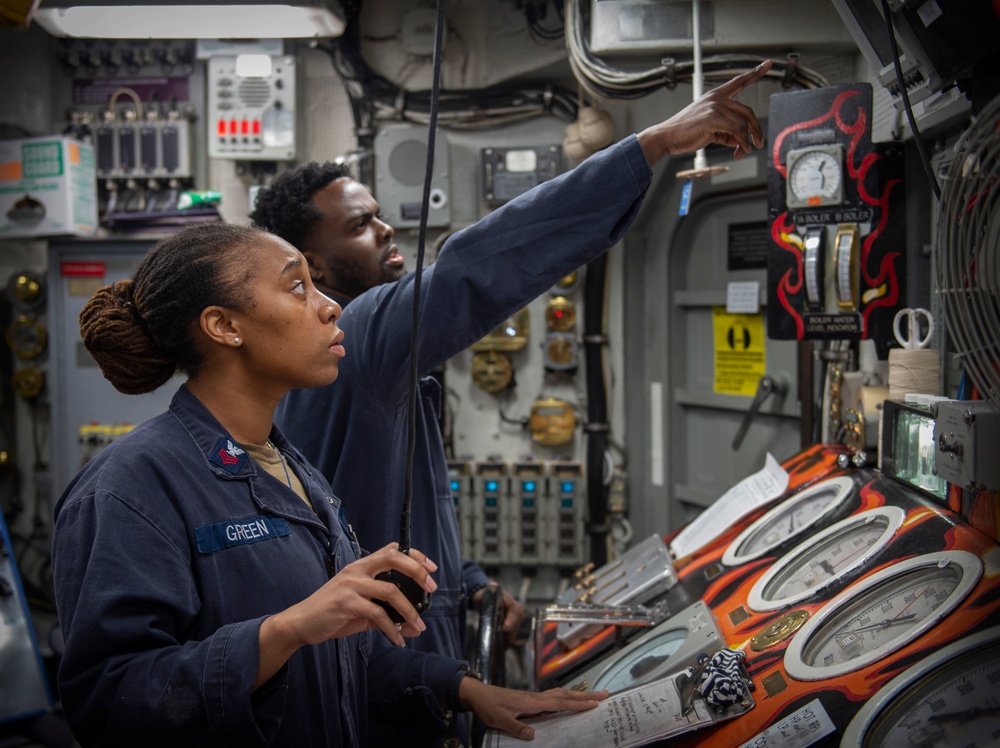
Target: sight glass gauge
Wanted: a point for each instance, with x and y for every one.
(815, 177)
(826, 557)
(789, 519)
(881, 613)
(948, 698)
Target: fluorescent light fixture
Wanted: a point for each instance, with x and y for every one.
(183, 19)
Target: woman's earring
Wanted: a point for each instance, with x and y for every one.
(236, 340)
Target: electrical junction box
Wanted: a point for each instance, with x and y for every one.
(47, 188)
(966, 435)
(251, 107)
(509, 172)
(659, 27)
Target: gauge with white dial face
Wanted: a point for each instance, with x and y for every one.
(824, 558)
(789, 519)
(949, 698)
(815, 176)
(643, 664)
(881, 613)
(669, 647)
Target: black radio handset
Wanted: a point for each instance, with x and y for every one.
(417, 595)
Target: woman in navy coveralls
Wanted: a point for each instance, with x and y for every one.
(206, 600)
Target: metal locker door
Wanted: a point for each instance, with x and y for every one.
(733, 393)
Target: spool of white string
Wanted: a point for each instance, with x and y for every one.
(915, 370)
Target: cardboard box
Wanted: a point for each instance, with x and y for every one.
(48, 187)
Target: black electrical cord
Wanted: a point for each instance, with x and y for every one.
(411, 435)
(597, 412)
(921, 148)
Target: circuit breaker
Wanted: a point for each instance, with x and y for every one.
(489, 519)
(460, 485)
(156, 146)
(529, 497)
(567, 518)
(251, 107)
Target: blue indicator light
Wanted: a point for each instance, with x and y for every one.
(567, 486)
(529, 485)
(455, 485)
(491, 485)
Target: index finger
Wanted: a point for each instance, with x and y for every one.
(732, 87)
(391, 558)
(422, 558)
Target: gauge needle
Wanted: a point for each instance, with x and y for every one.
(827, 567)
(965, 716)
(886, 623)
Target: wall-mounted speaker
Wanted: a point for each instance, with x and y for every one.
(400, 166)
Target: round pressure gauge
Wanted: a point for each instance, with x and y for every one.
(880, 614)
(948, 698)
(815, 177)
(561, 351)
(26, 337)
(824, 558)
(26, 290)
(789, 519)
(552, 422)
(491, 371)
(512, 335)
(667, 648)
(560, 314)
(567, 284)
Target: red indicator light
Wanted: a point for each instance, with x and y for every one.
(232, 127)
(222, 127)
(244, 127)
(256, 127)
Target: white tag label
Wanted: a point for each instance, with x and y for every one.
(797, 730)
(743, 297)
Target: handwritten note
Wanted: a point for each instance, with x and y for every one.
(798, 730)
(750, 493)
(629, 718)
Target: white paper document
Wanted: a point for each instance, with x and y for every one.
(630, 718)
(750, 493)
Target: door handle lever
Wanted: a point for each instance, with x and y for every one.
(766, 386)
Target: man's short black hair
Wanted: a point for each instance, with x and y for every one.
(284, 208)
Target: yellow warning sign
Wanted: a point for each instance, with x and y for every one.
(739, 352)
